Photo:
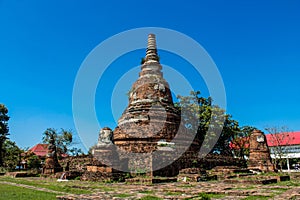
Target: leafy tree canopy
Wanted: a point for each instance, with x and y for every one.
(60, 140)
(3, 130)
(209, 122)
(241, 141)
(12, 154)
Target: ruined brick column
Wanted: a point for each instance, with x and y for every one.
(259, 156)
(52, 165)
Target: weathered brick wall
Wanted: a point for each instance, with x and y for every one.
(190, 160)
(78, 163)
(213, 160)
(68, 175)
(102, 176)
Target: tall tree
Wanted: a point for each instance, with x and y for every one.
(200, 116)
(12, 156)
(3, 131)
(59, 141)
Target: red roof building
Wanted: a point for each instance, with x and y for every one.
(282, 145)
(283, 139)
(273, 140)
(40, 150)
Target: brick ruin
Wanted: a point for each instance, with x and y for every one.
(51, 163)
(150, 115)
(149, 135)
(149, 138)
(259, 156)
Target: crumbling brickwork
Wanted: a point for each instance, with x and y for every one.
(259, 157)
(150, 116)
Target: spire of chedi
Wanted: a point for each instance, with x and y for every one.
(151, 53)
(150, 115)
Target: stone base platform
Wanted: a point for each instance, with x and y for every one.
(149, 181)
(103, 176)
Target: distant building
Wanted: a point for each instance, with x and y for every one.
(289, 144)
(40, 150)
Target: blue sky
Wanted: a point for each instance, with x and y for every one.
(255, 45)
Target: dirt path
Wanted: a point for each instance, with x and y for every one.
(293, 193)
(173, 191)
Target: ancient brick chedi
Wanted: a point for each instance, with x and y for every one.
(150, 115)
(149, 138)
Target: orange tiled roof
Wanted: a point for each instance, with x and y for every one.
(40, 149)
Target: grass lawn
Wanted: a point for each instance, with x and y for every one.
(150, 198)
(18, 193)
(72, 187)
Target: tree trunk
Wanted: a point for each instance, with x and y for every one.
(1, 154)
(242, 154)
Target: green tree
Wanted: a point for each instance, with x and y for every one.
(240, 141)
(33, 161)
(194, 113)
(3, 131)
(12, 156)
(208, 121)
(59, 141)
(230, 129)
